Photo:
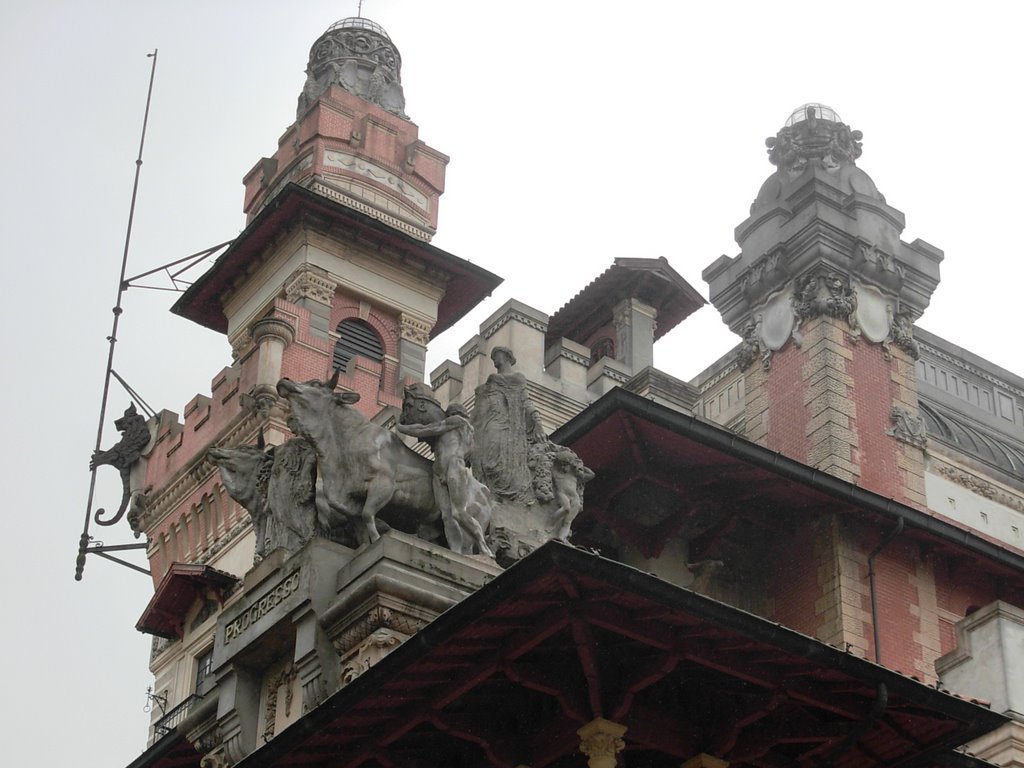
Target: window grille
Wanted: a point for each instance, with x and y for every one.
(357, 338)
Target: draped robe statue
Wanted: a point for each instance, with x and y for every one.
(506, 424)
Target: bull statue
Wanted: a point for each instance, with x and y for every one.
(365, 469)
(245, 472)
(278, 487)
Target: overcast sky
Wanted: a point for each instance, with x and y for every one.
(578, 132)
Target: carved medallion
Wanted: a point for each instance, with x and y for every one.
(873, 312)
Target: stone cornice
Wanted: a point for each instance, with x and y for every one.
(520, 315)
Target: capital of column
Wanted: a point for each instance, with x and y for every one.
(308, 283)
(273, 328)
(415, 329)
(601, 741)
(704, 760)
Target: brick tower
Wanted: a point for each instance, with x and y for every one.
(334, 271)
(825, 294)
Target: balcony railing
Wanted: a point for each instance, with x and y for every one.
(170, 721)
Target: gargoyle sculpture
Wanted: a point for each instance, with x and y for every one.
(122, 455)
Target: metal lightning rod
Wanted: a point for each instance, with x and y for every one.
(83, 543)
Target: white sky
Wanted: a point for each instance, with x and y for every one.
(578, 132)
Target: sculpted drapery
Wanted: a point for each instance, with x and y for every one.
(506, 422)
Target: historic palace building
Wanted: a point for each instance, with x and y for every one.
(550, 553)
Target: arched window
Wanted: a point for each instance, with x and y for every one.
(603, 347)
(357, 338)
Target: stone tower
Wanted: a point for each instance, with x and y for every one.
(825, 294)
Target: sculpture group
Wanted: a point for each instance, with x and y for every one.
(497, 486)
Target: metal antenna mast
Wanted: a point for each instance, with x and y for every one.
(83, 544)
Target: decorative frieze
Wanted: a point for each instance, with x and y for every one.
(415, 329)
(981, 487)
(306, 283)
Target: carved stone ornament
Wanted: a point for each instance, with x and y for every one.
(907, 427)
(307, 284)
(877, 266)
(815, 138)
(283, 679)
(750, 347)
(415, 330)
(135, 436)
(371, 651)
(240, 344)
(901, 334)
(821, 294)
(377, 618)
(981, 487)
(601, 741)
(214, 760)
(358, 55)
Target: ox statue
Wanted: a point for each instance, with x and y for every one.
(279, 489)
(365, 468)
(245, 472)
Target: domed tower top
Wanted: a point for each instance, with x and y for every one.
(358, 55)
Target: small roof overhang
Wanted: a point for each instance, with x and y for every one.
(467, 285)
(508, 675)
(653, 281)
(180, 587)
(658, 470)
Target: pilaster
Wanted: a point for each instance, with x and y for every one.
(311, 288)
(414, 333)
(634, 323)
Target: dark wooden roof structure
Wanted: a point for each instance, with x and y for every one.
(660, 471)
(652, 281)
(506, 677)
(467, 284)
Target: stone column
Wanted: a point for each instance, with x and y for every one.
(271, 335)
(312, 289)
(412, 348)
(634, 333)
(601, 741)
